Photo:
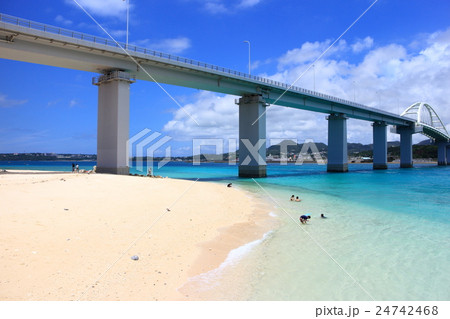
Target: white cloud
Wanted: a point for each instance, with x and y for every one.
(118, 33)
(221, 6)
(176, 45)
(52, 102)
(361, 45)
(389, 77)
(248, 3)
(5, 102)
(215, 7)
(309, 52)
(259, 63)
(217, 116)
(172, 45)
(106, 8)
(60, 19)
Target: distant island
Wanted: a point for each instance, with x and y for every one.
(47, 157)
(357, 153)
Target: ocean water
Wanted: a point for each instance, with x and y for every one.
(386, 235)
(61, 166)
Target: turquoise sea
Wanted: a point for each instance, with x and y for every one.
(386, 235)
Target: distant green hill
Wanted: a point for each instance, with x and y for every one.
(420, 150)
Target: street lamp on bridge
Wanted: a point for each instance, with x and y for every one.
(249, 46)
(128, 18)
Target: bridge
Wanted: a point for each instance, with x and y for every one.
(430, 125)
(120, 65)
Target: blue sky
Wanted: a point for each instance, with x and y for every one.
(397, 54)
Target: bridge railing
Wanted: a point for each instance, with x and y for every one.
(132, 48)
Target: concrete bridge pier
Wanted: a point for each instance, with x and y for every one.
(406, 158)
(448, 154)
(337, 143)
(379, 145)
(442, 153)
(252, 136)
(113, 121)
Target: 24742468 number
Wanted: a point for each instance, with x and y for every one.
(407, 311)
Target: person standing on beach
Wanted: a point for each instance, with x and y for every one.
(77, 168)
(73, 167)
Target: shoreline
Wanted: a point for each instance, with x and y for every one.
(54, 248)
(217, 255)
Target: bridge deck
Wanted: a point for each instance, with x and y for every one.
(29, 41)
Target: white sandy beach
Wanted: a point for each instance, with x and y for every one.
(71, 236)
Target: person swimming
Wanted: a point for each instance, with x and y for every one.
(323, 216)
(298, 199)
(292, 198)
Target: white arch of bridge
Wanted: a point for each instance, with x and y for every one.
(425, 115)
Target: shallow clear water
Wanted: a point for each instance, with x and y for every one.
(387, 235)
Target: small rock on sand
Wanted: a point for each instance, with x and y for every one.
(135, 257)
